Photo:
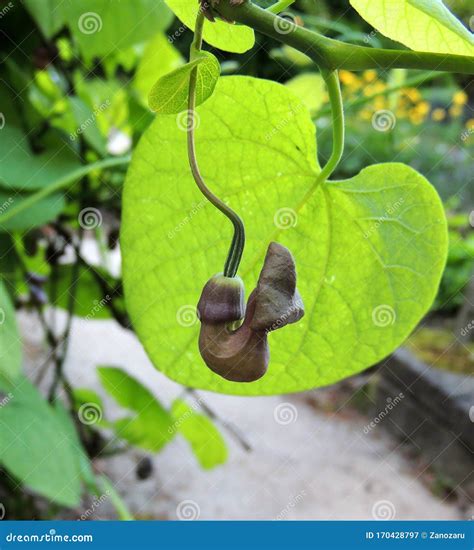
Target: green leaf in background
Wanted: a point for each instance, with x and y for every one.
(310, 88)
(170, 94)
(89, 299)
(159, 58)
(36, 215)
(22, 170)
(83, 464)
(47, 14)
(102, 27)
(45, 457)
(423, 25)
(150, 427)
(222, 35)
(86, 124)
(369, 251)
(205, 439)
(10, 341)
(108, 488)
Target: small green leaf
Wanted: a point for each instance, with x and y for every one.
(220, 34)
(36, 445)
(422, 25)
(365, 249)
(86, 395)
(170, 94)
(48, 15)
(150, 427)
(10, 341)
(205, 439)
(159, 58)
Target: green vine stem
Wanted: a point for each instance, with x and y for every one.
(332, 54)
(337, 109)
(238, 241)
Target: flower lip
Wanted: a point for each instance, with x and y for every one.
(242, 355)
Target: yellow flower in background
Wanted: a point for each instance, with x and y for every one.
(456, 111)
(347, 78)
(370, 75)
(413, 94)
(379, 103)
(438, 114)
(460, 98)
(423, 108)
(470, 124)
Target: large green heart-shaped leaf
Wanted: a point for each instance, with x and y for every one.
(222, 35)
(369, 251)
(170, 94)
(423, 25)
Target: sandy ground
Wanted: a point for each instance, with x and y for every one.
(304, 463)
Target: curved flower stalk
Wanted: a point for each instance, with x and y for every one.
(242, 354)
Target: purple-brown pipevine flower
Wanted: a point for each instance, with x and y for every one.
(241, 353)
